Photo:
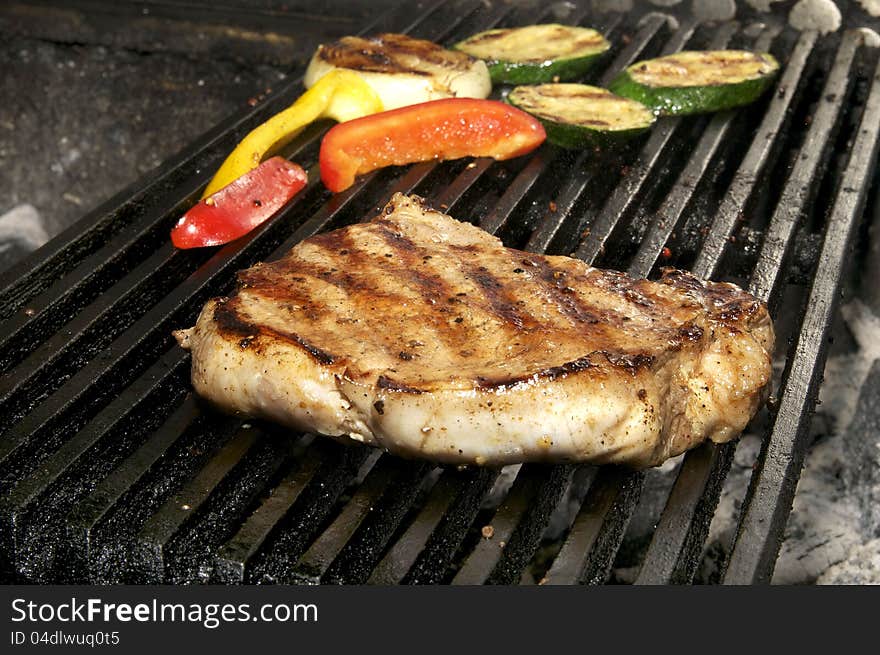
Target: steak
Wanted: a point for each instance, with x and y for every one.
(427, 337)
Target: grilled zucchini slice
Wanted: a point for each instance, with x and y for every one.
(697, 81)
(580, 116)
(537, 53)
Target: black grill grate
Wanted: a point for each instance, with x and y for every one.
(116, 473)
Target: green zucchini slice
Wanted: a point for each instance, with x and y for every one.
(696, 82)
(537, 53)
(581, 116)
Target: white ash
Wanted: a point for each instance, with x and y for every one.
(23, 225)
(821, 15)
(824, 524)
(612, 5)
(671, 21)
(871, 38)
(762, 5)
(502, 484)
(871, 6)
(754, 30)
(848, 372)
(560, 12)
(708, 10)
(861, 567)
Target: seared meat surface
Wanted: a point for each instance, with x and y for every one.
(426, 336)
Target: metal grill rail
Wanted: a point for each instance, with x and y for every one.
(116, 473)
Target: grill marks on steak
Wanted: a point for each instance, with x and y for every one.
(533, 300)
(480, 353)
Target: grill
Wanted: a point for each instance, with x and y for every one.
(114, 471)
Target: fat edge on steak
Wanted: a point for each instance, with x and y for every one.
(427, 337)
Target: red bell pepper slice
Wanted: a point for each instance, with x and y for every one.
(439, 129)
(240, 206)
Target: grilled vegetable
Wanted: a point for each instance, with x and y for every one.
(694, 82)
(340, 96)
(578, 116)
(403, 70)
(440, 129)
(537, 53)
(239, 207)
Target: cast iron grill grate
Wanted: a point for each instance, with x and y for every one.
(113, 471)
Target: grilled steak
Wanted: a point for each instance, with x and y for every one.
(425, 336)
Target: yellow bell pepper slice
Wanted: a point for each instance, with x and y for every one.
(340, 95)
